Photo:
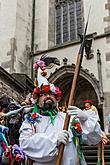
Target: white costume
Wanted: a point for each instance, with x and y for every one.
(41, 146)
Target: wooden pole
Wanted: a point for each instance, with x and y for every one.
(103, 160)
(67, 119)
(76, 73)
(99, 152)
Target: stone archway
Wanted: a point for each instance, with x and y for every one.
(87, 86)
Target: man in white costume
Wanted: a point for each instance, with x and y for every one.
(42, 133)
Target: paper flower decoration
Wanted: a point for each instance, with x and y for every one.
(39, 63)
(18, 153)
(33, 117)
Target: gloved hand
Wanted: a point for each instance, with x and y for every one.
(78, 113)
(63, 137)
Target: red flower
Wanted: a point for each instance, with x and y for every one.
(34, 115)
(18, 157)
(33, 96)
(58, 94)
(46, 88)
(77, 124)
(78, 127)
(37, 90)
(44, 73)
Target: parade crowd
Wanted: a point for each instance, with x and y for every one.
(32, 131)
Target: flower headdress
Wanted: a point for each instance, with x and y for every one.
(43, 86)
(41, 83)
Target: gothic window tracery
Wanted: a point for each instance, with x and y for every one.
(69, 20)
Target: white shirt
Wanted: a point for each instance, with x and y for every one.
(42, 145)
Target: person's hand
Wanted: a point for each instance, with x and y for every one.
(104, 138)
(63, 137)
(78, 113)
(2, 114)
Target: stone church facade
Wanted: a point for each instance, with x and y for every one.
(52, 28)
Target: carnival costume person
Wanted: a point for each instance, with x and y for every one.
(10, 152)
(88, 104)
(42, 131)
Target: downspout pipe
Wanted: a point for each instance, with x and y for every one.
(99, 64)
(32, 37)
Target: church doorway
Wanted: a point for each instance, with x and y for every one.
(86, 88)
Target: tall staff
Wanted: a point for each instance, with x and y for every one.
(76, 73)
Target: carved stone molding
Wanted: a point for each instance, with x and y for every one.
(85, 75)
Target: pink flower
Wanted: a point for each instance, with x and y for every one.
(58, 93)
(35, 66)
(41, 64)
(56, 89)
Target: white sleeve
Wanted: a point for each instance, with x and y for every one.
(37, 146)
(92, 132)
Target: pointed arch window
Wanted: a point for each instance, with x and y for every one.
(69, 20)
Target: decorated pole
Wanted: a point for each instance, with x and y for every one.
(72, 92)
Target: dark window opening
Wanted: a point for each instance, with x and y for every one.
(69, 20)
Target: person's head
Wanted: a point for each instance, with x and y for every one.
(4, 102)
(88, 104)
(47, 101)
(46, 98)
(14, 119)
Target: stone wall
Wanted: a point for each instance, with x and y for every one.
(16, 86)
(12, 93)
(106, 109)
(23, 32)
